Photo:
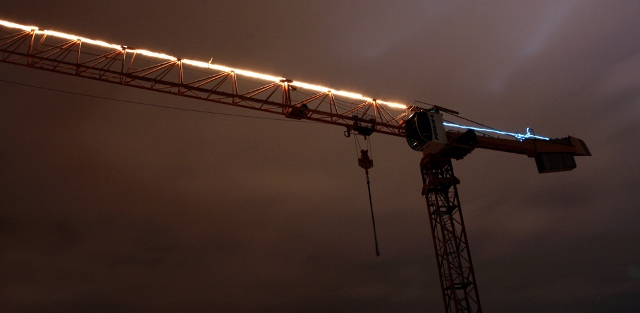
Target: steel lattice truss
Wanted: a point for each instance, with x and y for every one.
(126, 66)
(457, 279)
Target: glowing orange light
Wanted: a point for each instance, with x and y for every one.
(78, 38)
(347, 94)
(201, 64)
(154, 54)
(14, 25)
(395, 105)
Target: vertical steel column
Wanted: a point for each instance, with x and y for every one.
(457, 279)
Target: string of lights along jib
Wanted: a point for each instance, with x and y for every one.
(423, 126)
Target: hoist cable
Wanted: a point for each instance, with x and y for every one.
(373, 220)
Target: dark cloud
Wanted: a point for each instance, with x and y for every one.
(110, 206)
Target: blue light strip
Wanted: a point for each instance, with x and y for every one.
(518, 136)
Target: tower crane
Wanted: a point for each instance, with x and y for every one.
(423, 127)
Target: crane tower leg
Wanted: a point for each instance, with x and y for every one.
(457, 279)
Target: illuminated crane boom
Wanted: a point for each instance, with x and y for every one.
(423, 128)
(94, 59)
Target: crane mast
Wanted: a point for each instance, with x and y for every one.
(422, 127)
(453, 257)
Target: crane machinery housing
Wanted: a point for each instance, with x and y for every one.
(423, 128)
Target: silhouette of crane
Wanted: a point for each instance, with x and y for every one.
(423, 128)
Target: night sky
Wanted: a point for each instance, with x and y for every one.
(109, 206)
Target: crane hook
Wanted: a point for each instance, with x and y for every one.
(365, 161)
